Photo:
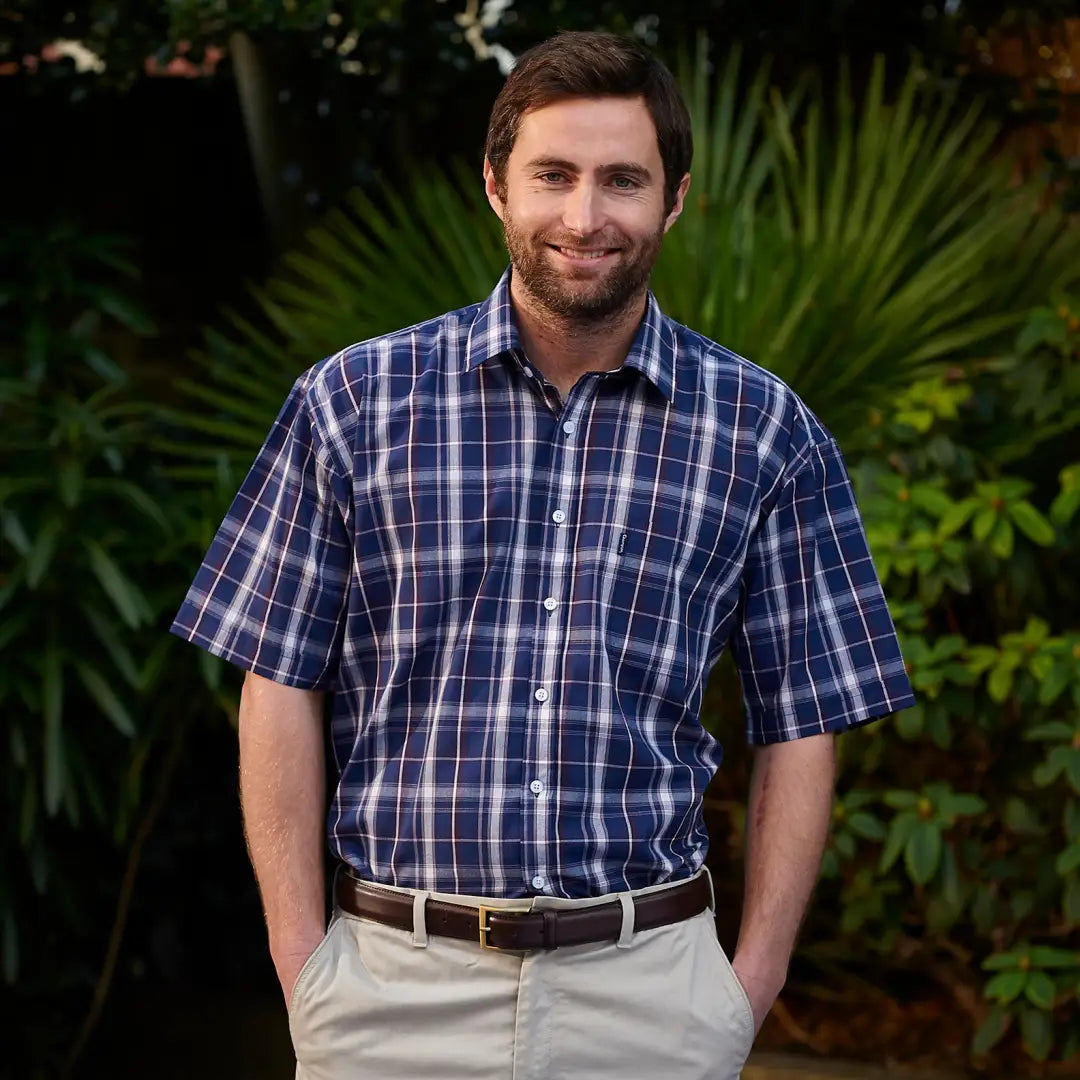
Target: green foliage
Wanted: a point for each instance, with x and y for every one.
(983, 861)
(81, 532)
(859, 242)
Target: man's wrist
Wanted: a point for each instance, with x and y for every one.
(762, 982)
(295, 940)
(291, 952)
(767, 968)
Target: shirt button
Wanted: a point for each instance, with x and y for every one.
(538, 882)
(551, 603)
(536, 787)
(541, 695)
(569, 427)
(529, 372)
(558, 517)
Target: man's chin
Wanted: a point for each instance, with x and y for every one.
(581, 284)
(576, 292)
(584, 303)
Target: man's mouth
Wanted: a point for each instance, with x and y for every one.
(582, 254)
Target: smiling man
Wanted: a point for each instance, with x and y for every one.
(512, 542)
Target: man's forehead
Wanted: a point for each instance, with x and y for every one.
(593, 126)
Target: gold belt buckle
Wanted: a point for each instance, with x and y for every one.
(485, 929)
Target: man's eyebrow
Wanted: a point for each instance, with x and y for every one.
(552, 163)
(629, 168)
(622, 168)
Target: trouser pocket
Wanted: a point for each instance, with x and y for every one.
(733, 1014)
(310, 964)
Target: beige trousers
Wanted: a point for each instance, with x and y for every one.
(664, 1004)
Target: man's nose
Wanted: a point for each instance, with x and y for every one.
(582, 210)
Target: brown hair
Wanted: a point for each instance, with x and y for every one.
(580, 64)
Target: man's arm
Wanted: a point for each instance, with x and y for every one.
(787, 823)
(282, 792)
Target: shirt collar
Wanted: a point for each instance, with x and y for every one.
(652, 352)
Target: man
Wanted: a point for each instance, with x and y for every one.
(512, 542)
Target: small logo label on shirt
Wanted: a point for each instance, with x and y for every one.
(622, 542)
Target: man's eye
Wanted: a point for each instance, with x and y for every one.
(624, 183)
(551, 177)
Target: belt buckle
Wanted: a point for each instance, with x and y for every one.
(485, 929)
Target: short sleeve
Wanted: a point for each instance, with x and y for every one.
(271, 593)
(815, 646)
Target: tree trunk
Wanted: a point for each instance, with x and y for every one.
(257, 108)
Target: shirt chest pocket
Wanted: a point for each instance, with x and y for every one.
(669, 571)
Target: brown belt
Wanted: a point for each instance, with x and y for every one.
(496, 928)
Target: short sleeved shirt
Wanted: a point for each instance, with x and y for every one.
(517, 600)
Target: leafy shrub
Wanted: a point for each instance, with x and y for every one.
(86, 692)
(957, 834)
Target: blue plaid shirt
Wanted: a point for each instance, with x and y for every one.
(517, 601)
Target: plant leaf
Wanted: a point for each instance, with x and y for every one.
(1039, 990)
(899, 830)
(866, 825)
(127, 598)
(1006, 986)
(991, 1031)
(52, 697)
(1031, 523)
(106, 698)
(922, 853)
(1036, 1028)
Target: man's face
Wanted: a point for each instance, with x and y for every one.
(583, 204)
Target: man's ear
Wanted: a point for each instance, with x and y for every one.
(491, 190)
(676, 210)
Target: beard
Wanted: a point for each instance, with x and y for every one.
(581, 295)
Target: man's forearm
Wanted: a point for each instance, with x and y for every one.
(787, 825)
(282, 792)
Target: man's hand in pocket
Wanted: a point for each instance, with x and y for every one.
(290, 957)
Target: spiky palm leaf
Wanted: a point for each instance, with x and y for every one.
(881, 243)
(884, 243)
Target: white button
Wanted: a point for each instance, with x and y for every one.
(558, 517)
(569, 427)
(538, 882)
(541, 695)
(529, 372)
(536, 787)
(551, 603)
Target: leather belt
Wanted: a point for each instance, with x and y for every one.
(499, 928)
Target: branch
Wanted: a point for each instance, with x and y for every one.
(123, 903)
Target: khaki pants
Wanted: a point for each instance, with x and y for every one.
(374, 1001)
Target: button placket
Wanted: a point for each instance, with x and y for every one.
(563, 484)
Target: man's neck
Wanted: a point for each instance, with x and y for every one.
(565, 349)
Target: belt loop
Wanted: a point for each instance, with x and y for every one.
(712, 891)
(626, 934)
(419, 920)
